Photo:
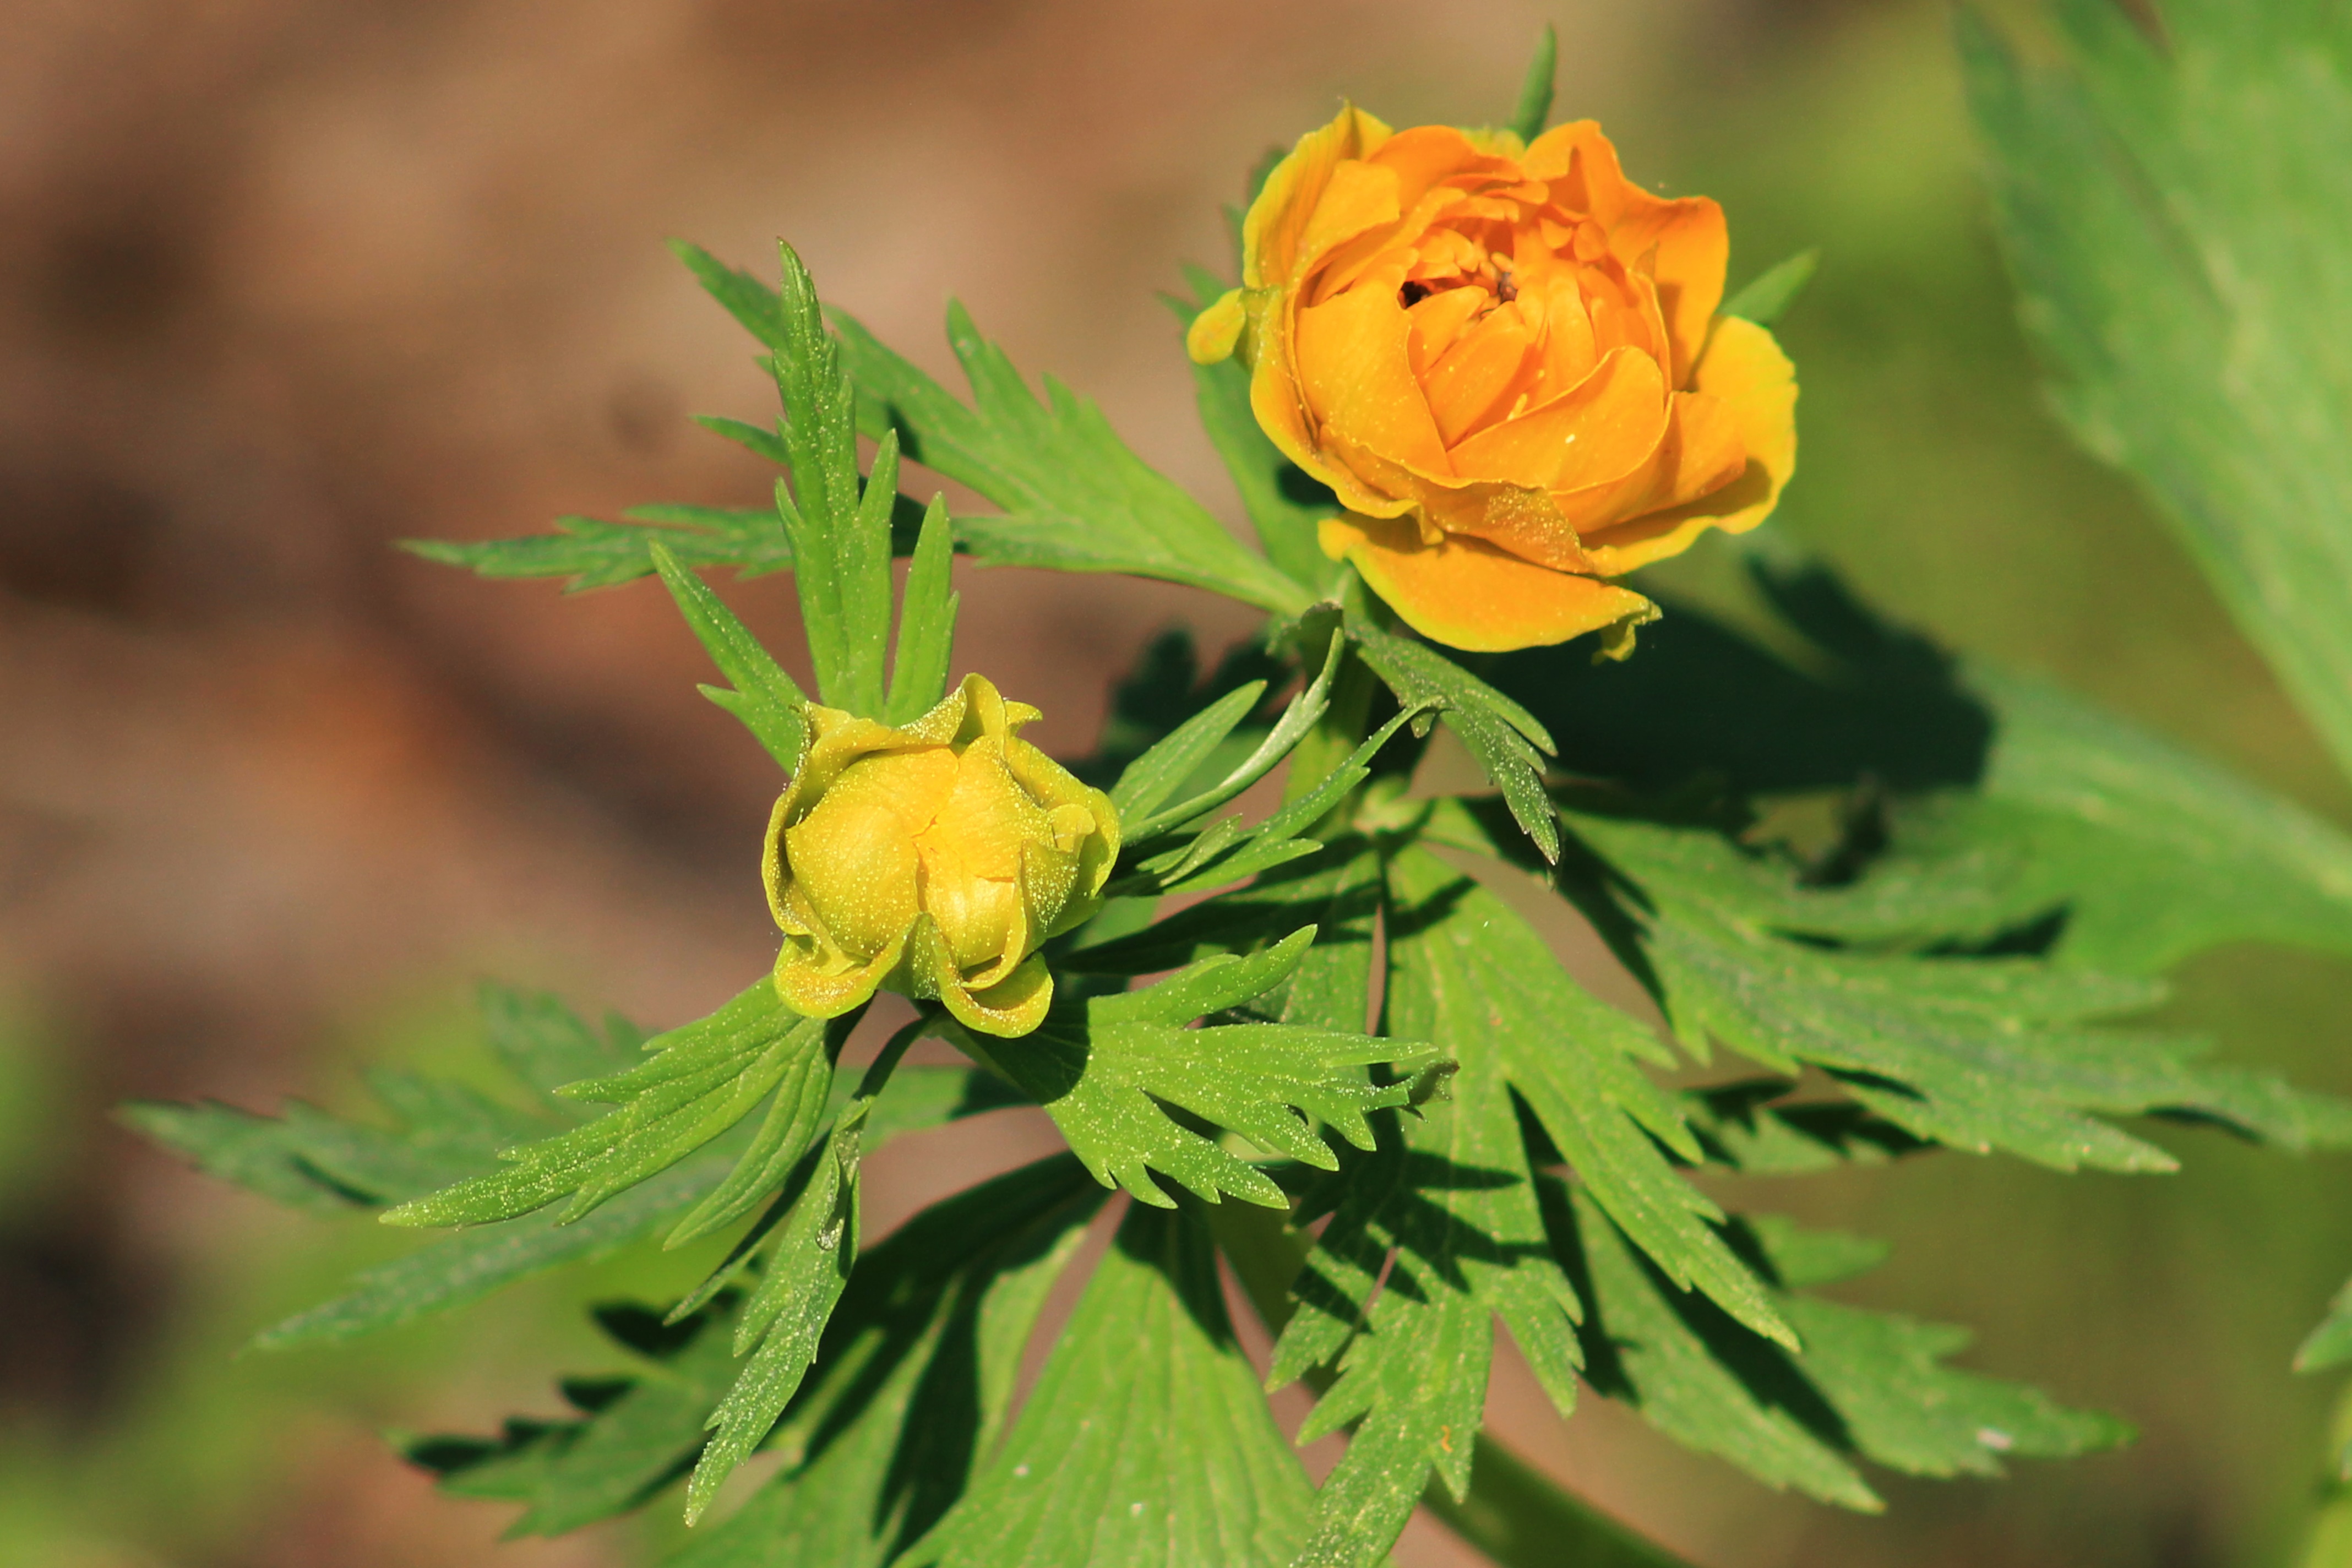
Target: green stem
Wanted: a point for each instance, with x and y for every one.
(1514, 1514)
(1334, 739)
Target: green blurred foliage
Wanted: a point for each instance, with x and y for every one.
(1933, 477)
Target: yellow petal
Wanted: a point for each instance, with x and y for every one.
(1014, 1006)
(1468, 595)
(1215, 331)
(815, 989)
(1286, 204)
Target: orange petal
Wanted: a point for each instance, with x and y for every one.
(1355, 372)
(1702, 450)
(1600, 430)
(1278, 219)
(1468, 595)
(1690, 239)
(1479, 372)
(1426, 155)
(1746, 372)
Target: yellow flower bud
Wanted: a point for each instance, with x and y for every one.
(933, 861)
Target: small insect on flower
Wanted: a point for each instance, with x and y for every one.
(932, 860)
(1506, 359)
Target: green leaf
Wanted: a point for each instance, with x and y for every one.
(841, 539)
(2330, 1344)
(1451, 1196)
(455, 1269)
(917, 1376)
(1866, 1385)
(630, 1444)
(452, 1270)
(2154, 852)
(1164, 692)
(1284, 502)
(1151, 778)
(1108, 1069)
(445, 1132)
(763, 697)
(2175, 214)
(1506, 740)
(745, 297)
(1766, 297)
(1976, 1053)
(546, 1045)
(786, 1314)
(698, 1082)
(753, 439)
(1304, 712)
(1751, 1128)
(1146, 1441)
(1534, 111)
(1076, 497)
(596, 555)
(927, 617)
(2004, 798)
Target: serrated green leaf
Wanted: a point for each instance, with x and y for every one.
(1975, 1053)
(918, 1373)
(1076, 497)
(441, 1132)
(1749, 1127)
(785, 1315)
(1284, 502)
(766, 699)
(700, 1081)
(1107, 1068)
(1152, 777)
(1764, 298)
(2155, 853)
(546, 1045)
(1503, 737)
(753, 439)
(627, 1447)
(2175, 214)
(1145, 1442)
(596, 555)
(2011, 798)
(841, 538)
(745, 297)
(455, 1270)
(927, 617)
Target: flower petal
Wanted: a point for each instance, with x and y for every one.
(1602, 429)
(1746, 372)
(1355, 372)
(1692, 242)
(1278, 219)
(1468, 595)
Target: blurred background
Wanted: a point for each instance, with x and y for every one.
(284, 280)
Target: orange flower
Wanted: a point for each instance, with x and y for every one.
(1506, 361)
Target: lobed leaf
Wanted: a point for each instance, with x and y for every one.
(1076, 498)
(917, 1375)
(1146, 1441)
(1109, 1067)
(700, 1081)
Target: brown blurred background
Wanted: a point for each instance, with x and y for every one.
(282, 282)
